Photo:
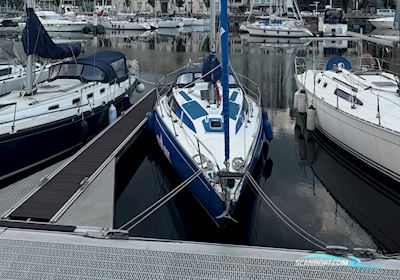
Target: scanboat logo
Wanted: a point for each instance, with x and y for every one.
(329, 260)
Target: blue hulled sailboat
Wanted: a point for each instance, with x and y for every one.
(210, 129)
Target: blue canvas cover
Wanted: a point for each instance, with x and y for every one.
(105, 60)
(36, 40)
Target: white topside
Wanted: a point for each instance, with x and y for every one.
(369, 87)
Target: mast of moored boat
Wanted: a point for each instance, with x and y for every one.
(397, 16)
(29, 64)
(212, 26)
(212, 47)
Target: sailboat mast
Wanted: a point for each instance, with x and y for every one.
(224, 32)
(29, 64)
(212, 26)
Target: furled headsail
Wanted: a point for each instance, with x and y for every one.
(224, 30)
(37, 41)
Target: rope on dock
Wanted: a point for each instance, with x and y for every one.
(154, 207)
(289, 222)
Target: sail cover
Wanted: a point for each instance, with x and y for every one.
(37, 41)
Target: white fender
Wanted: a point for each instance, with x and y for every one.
(302, 102)
(112, 114)
(311, 118)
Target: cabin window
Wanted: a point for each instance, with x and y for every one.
(325, 85)
(91, 73)
(245, 105)
(76, 101)
(232, 81)
(173, 104)
(197, 77)
(348, 97)
(102, 90)
(54, 107)
(70, 70)
(90, 95)
(54, 71)
(184, 79)
(6, 71)
(119, 67)
(319, 81)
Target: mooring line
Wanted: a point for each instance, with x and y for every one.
(289, 222)
(148, 211)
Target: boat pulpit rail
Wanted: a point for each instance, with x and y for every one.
(302, 64)
(255, 94)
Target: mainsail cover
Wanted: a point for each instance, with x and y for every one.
(37, 41)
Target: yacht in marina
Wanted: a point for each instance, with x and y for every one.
(358, 109)
(333, 23)
(80, 97)
(192, 21)
(383, 22)
(54, 22)
(211, 129)
(167, 22)
(124, 24)
(190, 127)
(13, 68)
(280, 26)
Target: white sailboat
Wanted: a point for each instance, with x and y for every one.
(280, 27)
(54, 22)
(123, 24)
(332, 23)
(383, 22)
(357, 109)
(13, 69)
(53, 117)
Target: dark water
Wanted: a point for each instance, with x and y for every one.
(318, 186)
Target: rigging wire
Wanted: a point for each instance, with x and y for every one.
(155, 206)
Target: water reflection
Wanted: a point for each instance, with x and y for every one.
(367, 196)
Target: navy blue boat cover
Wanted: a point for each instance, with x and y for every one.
(112, 63)
(37, 41)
